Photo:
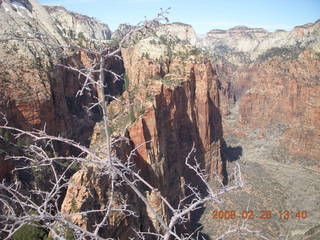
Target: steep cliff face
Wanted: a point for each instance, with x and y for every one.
(36, 96)
(181, 111)
(90, 190)
(74, 25)
(178, 32)
(182, 114)
(277, 84)
(35, 91)
(181, 31)
(261, 88)
(241, 37)
(25, 82)
(27, 18)
(286, 92)
(186, 97)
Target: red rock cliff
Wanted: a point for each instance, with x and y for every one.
(286, 92)
(179, 117)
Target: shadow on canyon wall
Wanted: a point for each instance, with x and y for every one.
(177, 130)
(228, 154)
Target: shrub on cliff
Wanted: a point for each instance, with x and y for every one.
(29, 232)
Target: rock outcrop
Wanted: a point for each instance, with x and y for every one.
(287, 93)
(182, 112)
(177, 32)
(35, 91)
(25, 83)
(23, 3)
(241, 38)
(243, 45)
(74, 25)
(89, 190)
(179, 117)
(181, 31)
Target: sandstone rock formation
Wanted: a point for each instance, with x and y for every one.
(24, 3)
(35, 91)
(74, 25)
(178, 32)
(183, 111)
(242, 38)
(179, 116)
(28, 99)
(286, 93)
(181, 31)
(89, 190)
(275, 82)
(250, 43)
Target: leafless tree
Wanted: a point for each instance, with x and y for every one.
(42, 207)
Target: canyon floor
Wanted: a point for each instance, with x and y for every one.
(274, 181)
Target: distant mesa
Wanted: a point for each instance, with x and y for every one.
(245, 28)
(241, 29)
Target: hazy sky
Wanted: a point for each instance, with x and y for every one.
(203, 15)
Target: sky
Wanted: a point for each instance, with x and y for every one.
(203, 15)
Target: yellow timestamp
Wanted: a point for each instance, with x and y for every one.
(262, 214)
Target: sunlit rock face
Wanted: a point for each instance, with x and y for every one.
(89, 189)
(75, 25)
(182, 112)
(181, 31)
(241, 44)
(286, 92)
(273, 82)
(36, 91)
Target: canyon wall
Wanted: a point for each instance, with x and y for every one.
(184, 111)
(287, 93)
(36, 91)
(271, 81)
(269, 100)
(181, 112)
(74, 25)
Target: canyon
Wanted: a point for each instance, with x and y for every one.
(243, 95)
(269, 102)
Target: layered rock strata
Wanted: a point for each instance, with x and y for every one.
(275, 85)
(38, 87)
(182, 112)
(74, 25)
